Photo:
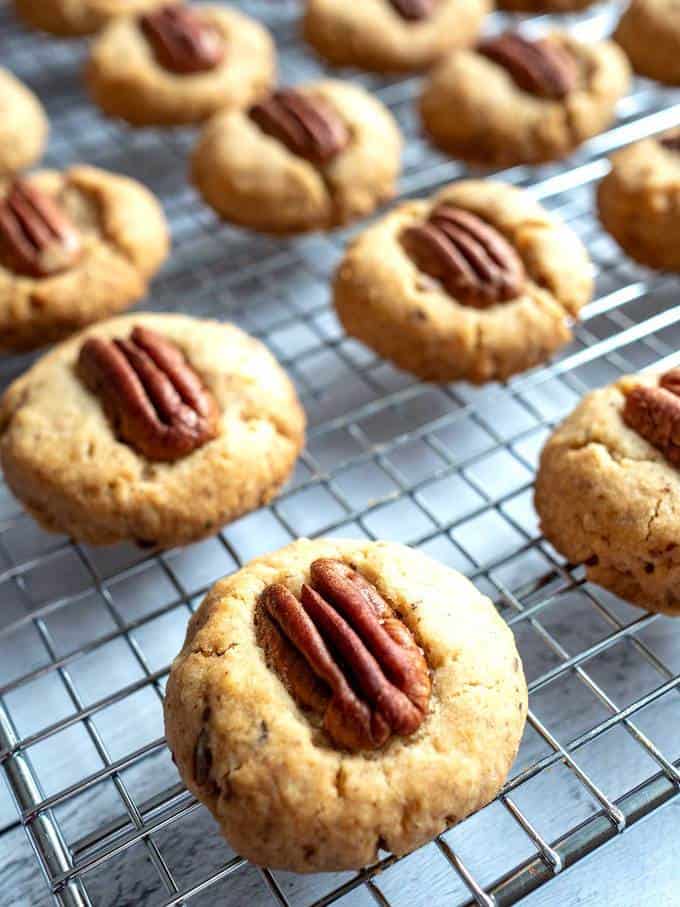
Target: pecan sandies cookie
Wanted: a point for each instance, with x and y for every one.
(75, 247)
(649, 33)
(153, 428)
(311, 157)
(69, 18)
(608, 489)
(638, 201)
(23, 125)
(391, 35)
(512, 100)
(337, 698)
(478, 283)
(180, 64)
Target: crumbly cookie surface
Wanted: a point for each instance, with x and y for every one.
(498, 124)
(385, 301)
(609, 499)
(649, 33)
(373, 36)
(639, 203)
(126, 80)
(23, 125)
(124, 238)
(69, 18)
(253, 180)
(282, 794)
(62, 459)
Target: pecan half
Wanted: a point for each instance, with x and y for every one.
(306, 125)
(471, 259)
(413, 10)
(181, 40)
(671, 140)
(654, 413)
(375, 682)
(156, 402)
(36, 237)
(543, 68)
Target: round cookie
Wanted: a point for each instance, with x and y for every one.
(512, 101)
(23, 125)
(375, 35)
(114, 239)
(311, 158)
(221, 59)
(639, 201)
(422, 316)
(649, 32)
(285, 793)
(608, 490)
(86, 454)
(70, 18)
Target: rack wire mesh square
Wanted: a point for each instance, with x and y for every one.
(87, 635)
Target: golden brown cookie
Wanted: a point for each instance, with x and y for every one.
(69, 18)
(180, 64)
(511, 101)
(545, 6)
(608, 489)
(477, 283)
(311, 158)
(23, 125)
(310, 767)
(639, 201)
(161, 437)
(649, 32)
(391, 35)
(102, 238)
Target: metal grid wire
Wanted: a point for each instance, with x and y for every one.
(87, 635)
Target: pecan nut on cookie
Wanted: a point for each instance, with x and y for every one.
(309, 158)
(512, 100)
(69, 18)
(477, 283)
(649, 33)
(608, 489)
(152, 428)
(23, 125)
(391, 35)
(75, 247)
(338, 698)
(639, 201)
(180, 64)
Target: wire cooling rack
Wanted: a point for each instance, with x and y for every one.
(87, 635)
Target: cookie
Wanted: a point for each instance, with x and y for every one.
(180, 64)
(476, 283)
(545, 6)
(515, 101)
(639, 201)
(649, 32)
(608, 489)
(309, 158)
(102, 238)
(23, 125)
(290, 752)
(155, 428)
(391, 35)
(70, 18)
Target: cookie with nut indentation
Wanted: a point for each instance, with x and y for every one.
(608, 489)
(152, 428)
(639, 200)
(180, 64)
(337, 698)
(23, 125)
(75, 247)
(69, 18)
(309, 158)
(512, 100)
(391, 35)
(477, 283)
